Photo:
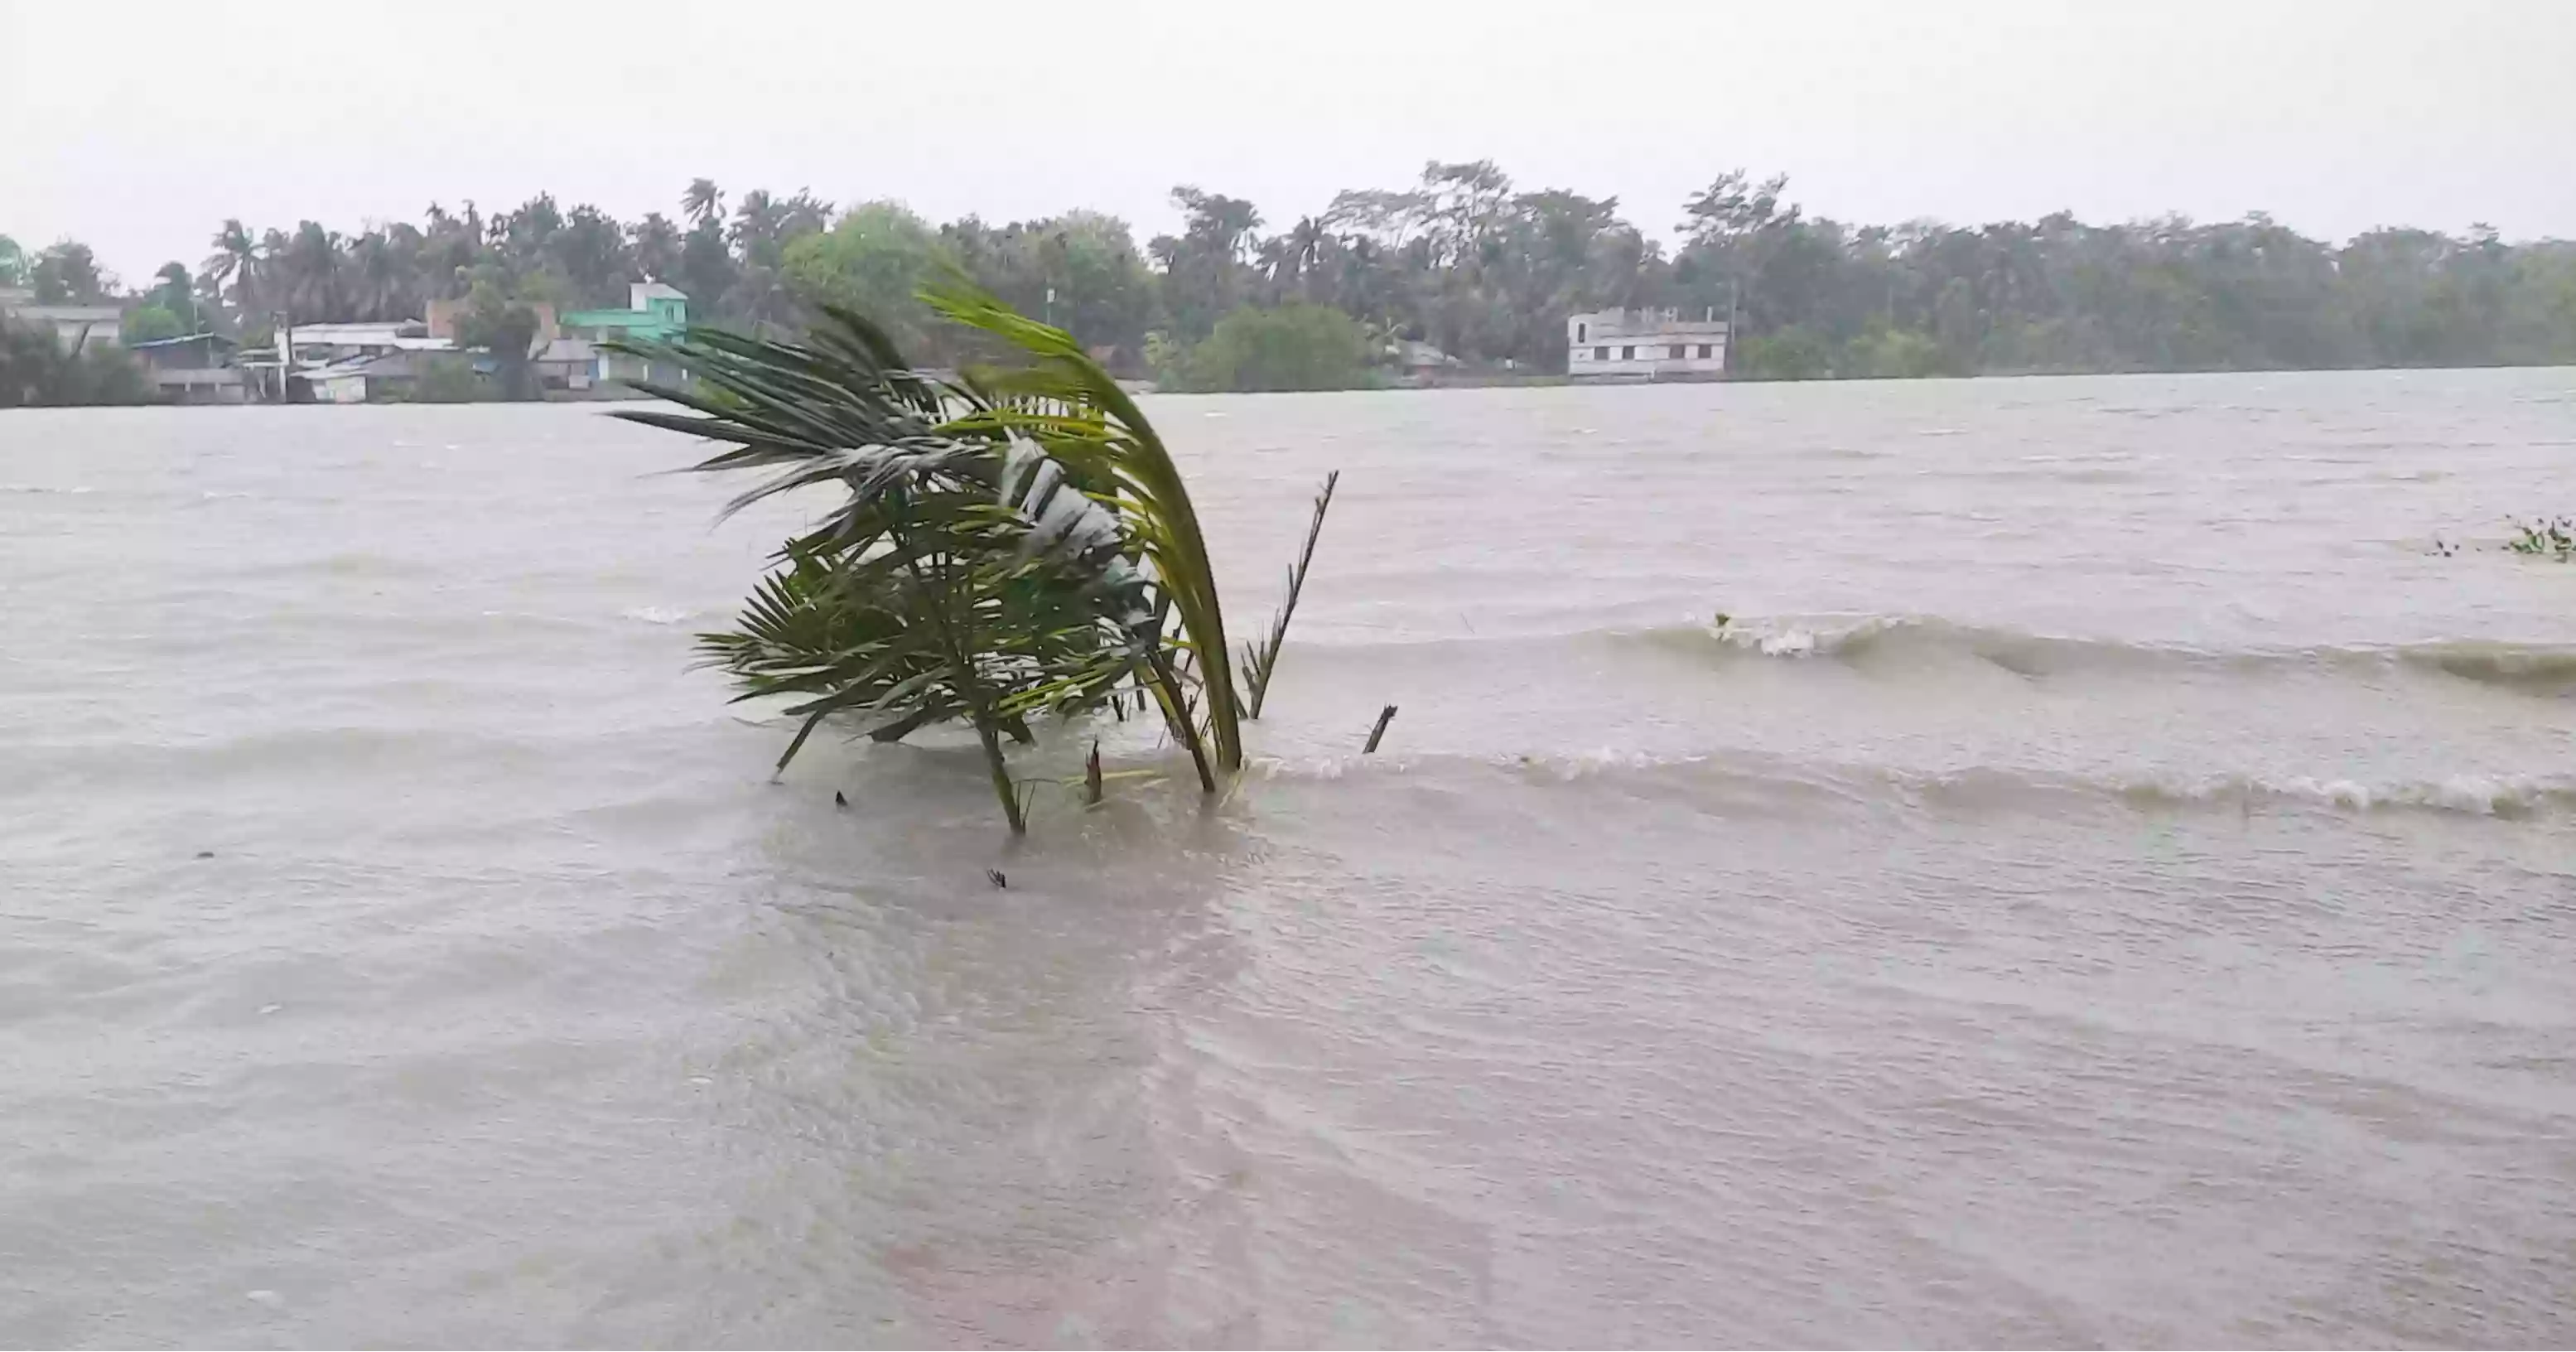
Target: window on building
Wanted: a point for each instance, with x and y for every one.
(1681, 351)
(1627, 354)
(1583, 333)
(1601, 353)
(1706, 351)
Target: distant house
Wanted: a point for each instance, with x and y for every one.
(1644, 345)
(379, 376)
(567, 364)
(74, 326)
(1421, 363)
(322, 343)
(654, 312)
(197, 369)
(340, 382)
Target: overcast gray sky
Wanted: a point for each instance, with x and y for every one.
(138, 127)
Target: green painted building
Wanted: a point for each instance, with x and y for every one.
(654, 311)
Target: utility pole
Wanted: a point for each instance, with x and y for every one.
(1734, 293)
(281, 333)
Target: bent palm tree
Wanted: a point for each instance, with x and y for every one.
(703, 201)
(964, 576)
(1010, 543)
(235, 262)
(1067, 404)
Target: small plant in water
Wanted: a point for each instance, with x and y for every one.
(2547, 537)
(1013, 542)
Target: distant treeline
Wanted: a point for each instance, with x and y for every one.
(1463, 260)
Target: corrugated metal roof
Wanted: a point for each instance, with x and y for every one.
(386, 332)
(69, 314)
(174, 342)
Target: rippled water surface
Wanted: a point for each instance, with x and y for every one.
(2110, 880)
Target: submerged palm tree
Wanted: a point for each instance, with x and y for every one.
(1018, 541)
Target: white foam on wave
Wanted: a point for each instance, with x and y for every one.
(2476, 794)
(1808, 637)
(2480, 795)
(2506, 796)
(657, 614)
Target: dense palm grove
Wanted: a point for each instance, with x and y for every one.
(1462, 259)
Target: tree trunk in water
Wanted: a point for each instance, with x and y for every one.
(1002, 788)
(1176, 714)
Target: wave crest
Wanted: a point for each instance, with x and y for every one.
(2538, 668)
(2510, 797)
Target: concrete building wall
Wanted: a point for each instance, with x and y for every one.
(1640, 344)
(73, 325)
(348, 389)
(210, 385)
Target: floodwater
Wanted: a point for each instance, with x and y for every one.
(2110, 881)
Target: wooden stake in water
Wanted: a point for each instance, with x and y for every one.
(1385, 716)
(1091, 776)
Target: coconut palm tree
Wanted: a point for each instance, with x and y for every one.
(703, 201)
(964, 576)
(383, 282)
(801, 215)
(657, 246)
(235, 263)
(757, 219)
(273, 245)
(312, 274)
(443, 254)
(1012, 544)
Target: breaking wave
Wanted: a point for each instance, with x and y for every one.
(657, 614)
(2533, 668)
(2509, 797)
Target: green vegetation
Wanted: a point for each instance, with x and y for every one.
(1294, 347)
(874, 260)
(151, 323)
(446, 380)
(1462, 259)
(2546, 538)
(38, 371)
(506, 327)
(1793, 353)
(67, 274)
(1012, 543)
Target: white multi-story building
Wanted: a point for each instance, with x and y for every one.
(1644, 345)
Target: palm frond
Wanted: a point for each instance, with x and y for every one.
(1068, 405)
(1262, 660)
(1012, 542)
